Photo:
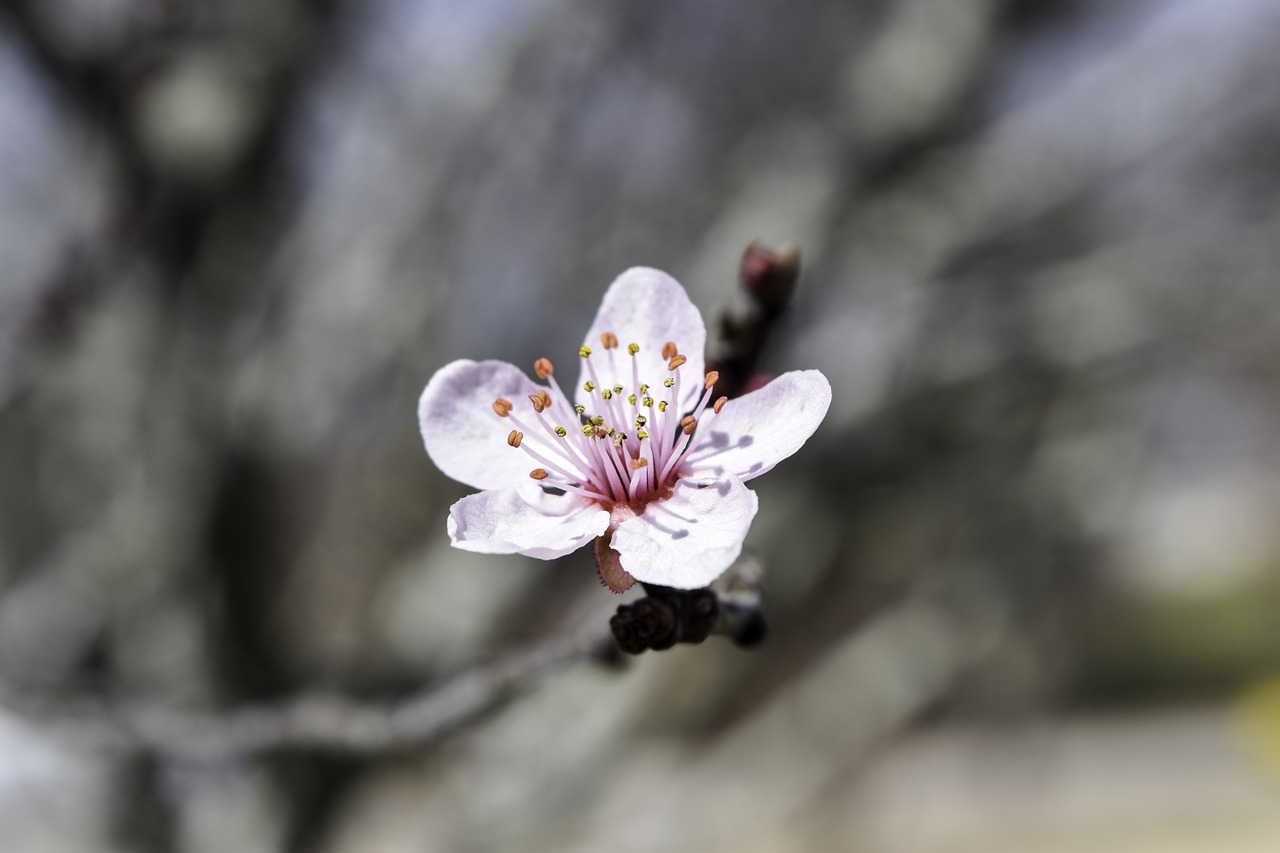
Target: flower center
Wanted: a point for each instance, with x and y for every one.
(625, 447)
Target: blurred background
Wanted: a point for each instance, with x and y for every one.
(1022, 584)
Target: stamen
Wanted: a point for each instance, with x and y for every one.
(648, 402)
(641, 434)
(668, 382)
(669, 350)
(581, 410)
(641, 420)
(588, 386)
(662, 405)
(546, 398)
(514, 438)
(644, 389)
(561, 431)
(719, 404)
(502, 407)
(609, 340)
(637, 464)
(606, 394)
(631, 398)
(617, 389)
(712, 378)
(584, 351)
(633, 348)
(543, 368)
(588, 430)
(539, 474)
(675, 362)
(538, 405)
(689, 427)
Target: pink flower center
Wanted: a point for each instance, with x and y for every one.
(624, 449)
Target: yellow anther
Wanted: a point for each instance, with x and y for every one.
(719, 404)
(539, 474)
(662, 405)
(648, 402)
(588, 430)
(642, 435)
(598, 420)
(644, 389)
(609, 340)
(669, 350)
(668, 382)
(584, 351)
(638, 463)
(633, 348)
(675, 362)
(712, 378)
(561, 431)
(502, 407)
(631, 399)
(589, 386)
(611, 430)
(538, 405)
(606, 394)
(617, 389)
(543, 368)
(641, 420)
(580, 409)
(617, 442)
(514, 438)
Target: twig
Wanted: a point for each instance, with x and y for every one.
(330, 723)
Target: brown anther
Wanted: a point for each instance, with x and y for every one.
(538, 405)
(669, 350)
(676, 361)
(545, 397)
(514, 438)
(539, 474)
(638, 463)
(689, 428)
(686, 420)
(712, 378)
(502, 407)
(719, 404)
(543, 368)
(601, 432)
(609, 340)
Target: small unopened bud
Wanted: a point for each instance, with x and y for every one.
(768, 276)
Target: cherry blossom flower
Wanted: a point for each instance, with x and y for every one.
(643, 460)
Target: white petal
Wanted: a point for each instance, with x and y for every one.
(689, 539)
(463, 435)
(758, 430)
(647, 307)
(524, 520)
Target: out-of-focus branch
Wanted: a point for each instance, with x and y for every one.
(327, 723)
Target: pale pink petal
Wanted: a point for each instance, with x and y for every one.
(460, 430)
(524, 520)
(756, 431)
(687, 540)
(647, 307)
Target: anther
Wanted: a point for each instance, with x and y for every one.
(546, 398)
(609, 340)
(584, 351)
(662, 405)
(588, 430)
(589, 386)
(601, 432)
(514, 437)
(539, 474)
(642, 435)
(606, 394)
(631, 399)
(689, 428)
(538, 405)
(543, 368)
(633, 348)
(687, 419)
(644, 389)
(617, 389)
(582, 410)
(668, 382)
(561, 431)
(675, 362)
(637, 464)
(641, 420)
(712, 378)
(719, 404)
(502, 407)
(648, 402)
(598, 420)
(669, 350)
